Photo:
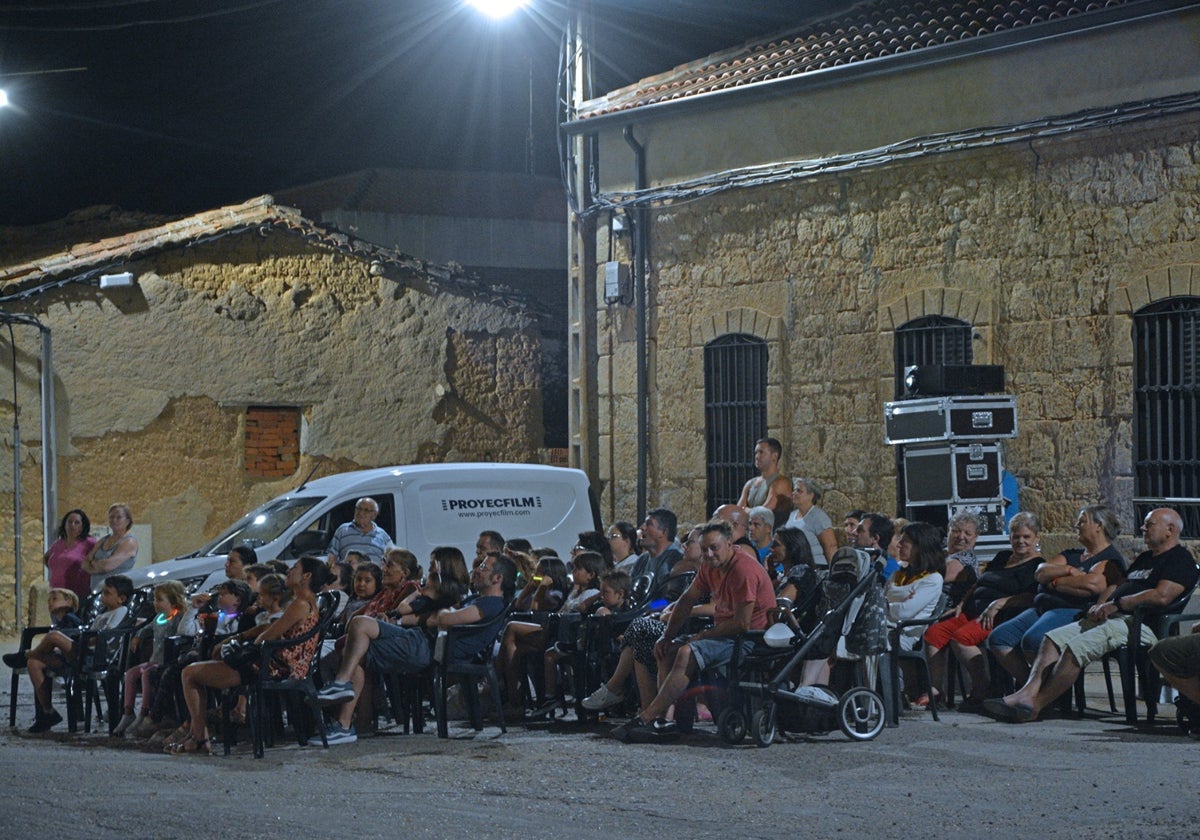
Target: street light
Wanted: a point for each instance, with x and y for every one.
(498, 8)
(3, 98)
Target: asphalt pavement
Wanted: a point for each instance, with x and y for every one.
(963, 776)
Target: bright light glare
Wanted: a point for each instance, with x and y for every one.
(497, 8)
(3, 98)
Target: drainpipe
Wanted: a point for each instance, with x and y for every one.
(641, 264)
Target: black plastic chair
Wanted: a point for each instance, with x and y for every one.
(468, 672)
(99, 665)
(917, 656)
(267, 687)
(1133, 662)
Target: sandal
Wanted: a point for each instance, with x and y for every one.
(177, 737)
(197, 746)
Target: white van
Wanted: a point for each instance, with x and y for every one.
(420, 506)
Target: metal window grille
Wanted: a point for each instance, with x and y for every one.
(931, 340)
(1166, 417)
(735, 412)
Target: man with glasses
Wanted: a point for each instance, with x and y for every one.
(361, 535)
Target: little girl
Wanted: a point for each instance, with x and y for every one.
(368, 579)
(169, 604)
(273, 598)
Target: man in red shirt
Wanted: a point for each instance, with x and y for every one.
(742, 597)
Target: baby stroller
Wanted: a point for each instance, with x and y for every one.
(763, 695)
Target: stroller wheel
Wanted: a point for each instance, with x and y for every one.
(860, 714)
(731, 725)
(762, 725)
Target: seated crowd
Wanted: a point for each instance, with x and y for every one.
(1021, 626)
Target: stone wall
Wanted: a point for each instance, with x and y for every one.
(153, 384)
(1046, 249)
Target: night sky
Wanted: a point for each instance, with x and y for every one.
(186, 105)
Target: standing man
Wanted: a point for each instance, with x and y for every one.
(1159, 576)
(742, 597)
(361, 535)
(769, 488)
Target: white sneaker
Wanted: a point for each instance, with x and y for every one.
(601, 698)
(125, 722)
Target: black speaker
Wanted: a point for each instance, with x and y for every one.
(952, 380)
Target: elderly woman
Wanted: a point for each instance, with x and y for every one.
(963, 532)
(1068, 584)
(116, 553)
(814, 522)
(67, 554)
(1004, 589)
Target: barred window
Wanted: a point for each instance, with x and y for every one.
(1166, 411)
(735, 412)
(931, 340)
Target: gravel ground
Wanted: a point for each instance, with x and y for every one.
(965, 776)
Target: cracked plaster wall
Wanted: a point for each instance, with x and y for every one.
(152, 384)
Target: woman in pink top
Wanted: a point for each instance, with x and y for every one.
(65, 558)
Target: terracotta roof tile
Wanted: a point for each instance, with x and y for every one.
(90, 258)
(870, 32)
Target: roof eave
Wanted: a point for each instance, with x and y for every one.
(887, 65)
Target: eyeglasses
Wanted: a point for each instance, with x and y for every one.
(364, 509)
(579, 548)
(614, 536)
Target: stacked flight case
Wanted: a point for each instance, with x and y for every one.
(953, 458)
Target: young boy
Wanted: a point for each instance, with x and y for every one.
(56, 649)
(615, 588)
(63, 605)
(64, 609)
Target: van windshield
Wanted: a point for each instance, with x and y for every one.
(263, 525)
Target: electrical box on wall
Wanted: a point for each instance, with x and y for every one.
(616, 282)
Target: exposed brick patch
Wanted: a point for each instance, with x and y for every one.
(272, 441)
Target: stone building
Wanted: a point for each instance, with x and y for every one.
(252, 347)
(1011, 182)
(506, 228)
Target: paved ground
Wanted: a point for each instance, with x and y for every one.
(965, 776)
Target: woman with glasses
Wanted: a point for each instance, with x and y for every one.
(623, 543)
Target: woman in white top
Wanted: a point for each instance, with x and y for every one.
(814, 522)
